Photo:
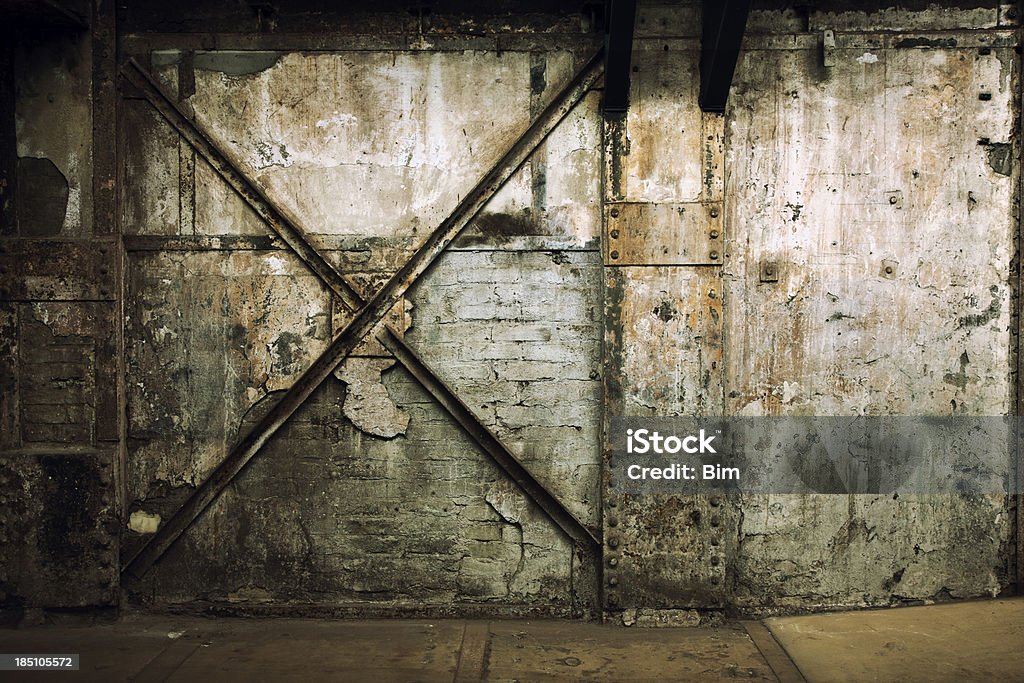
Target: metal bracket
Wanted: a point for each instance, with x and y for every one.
(828, 48)
(769, 271)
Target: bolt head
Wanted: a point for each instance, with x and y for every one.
(614, 213)
(615, 234)
(615, 255)
(892, 199)
(714, 212)
(714, 234)
(714, 255)
(888, 270)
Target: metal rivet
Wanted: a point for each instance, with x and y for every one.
(613, 521)
(613, 600)
(888, 270)
(615, 234)
(714, 212)
(714, 234)
(614, 213)
(715, 561)
(715, 541)
(613, 582)
(613, 542)
(714, 255)
(615, 255)
(613, 503)
(712, 294)
(714, 580)
(716, 501)
(104, 292)
(104, 271)
(714, 520)
(613, 562)
(893, 199)
(611, 483)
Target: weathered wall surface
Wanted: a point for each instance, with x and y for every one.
(841, 242)
(58, 344)
(881, 188)
(371, 495)
(869, 230)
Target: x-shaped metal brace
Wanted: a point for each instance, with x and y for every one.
(367, 314)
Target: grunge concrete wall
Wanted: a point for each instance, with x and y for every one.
(879, 188)
(868, 268)
(139, 345)
(59, 524)
(388, 503)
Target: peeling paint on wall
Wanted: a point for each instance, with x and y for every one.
(367, 402)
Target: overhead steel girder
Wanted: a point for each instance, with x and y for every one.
(367, 314)
(620, 17)
(721, 37)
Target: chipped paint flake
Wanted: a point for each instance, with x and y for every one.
(142, 522)
(367, 402)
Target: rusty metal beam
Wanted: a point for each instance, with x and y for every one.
(8, 137)
(368, 314)
(1018, 351)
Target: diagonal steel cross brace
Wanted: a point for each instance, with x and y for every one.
(367, 314)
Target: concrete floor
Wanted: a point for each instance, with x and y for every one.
(954, 642)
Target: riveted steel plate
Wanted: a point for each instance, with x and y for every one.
(663, 234)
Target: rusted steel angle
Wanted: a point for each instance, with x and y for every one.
(368, 314)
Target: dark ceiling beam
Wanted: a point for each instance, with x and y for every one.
(44, 13)
(721, 38)
(621, 15)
